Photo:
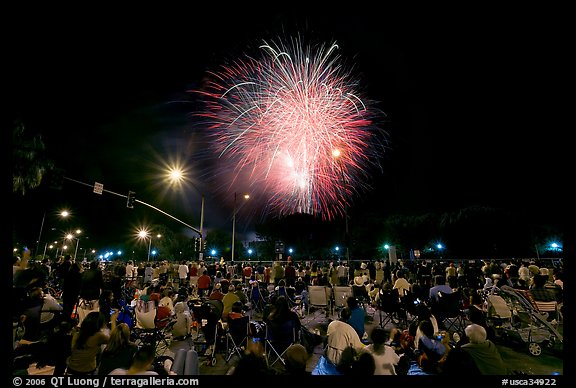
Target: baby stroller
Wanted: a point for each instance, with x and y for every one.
(513, 318)
(208, 317)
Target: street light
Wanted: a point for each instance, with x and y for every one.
(70, 236)
(62, 214)
(246, 196)
(143, 234)
(176, 175)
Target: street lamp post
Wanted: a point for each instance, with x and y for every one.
(149, 246)
(143, 234)
(233, 227)
(337, 154)
(63, 214)
(246, 196)
(201, 253)
(70, 236)
(40, 237)
(176, 176)
(76, 250)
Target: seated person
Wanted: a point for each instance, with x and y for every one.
(216, 293)
(183, 326)
(483, 351)
(284, 290)
(236, 311)
(430, 348)
(296, 358)
(340, 335)
(359, 289)
(281, 313)
(228, 301)
(358, 316)
(141, 363)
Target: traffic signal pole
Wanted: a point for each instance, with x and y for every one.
(130, 199)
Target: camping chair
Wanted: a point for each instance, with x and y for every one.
(390, 308)
(149, 330)
(341, 293)
(450, 310)
(411, 304)
(278, 338)
(319, 296)
(237, 331)
(208, 316)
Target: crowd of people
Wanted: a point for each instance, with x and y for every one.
(102, 341)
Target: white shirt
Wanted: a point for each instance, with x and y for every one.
(385, 362)
(182, 271)
(50, 305)
(130, 271)
(340, 336)
(402, 285)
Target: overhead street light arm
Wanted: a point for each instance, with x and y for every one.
(143, 203)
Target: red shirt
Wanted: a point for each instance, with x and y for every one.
(204, 282)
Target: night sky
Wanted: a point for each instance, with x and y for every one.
(469, 111)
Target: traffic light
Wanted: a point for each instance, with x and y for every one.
(131, 199)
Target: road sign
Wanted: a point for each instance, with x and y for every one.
(98, 188)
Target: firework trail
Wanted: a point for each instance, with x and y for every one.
(293, 124)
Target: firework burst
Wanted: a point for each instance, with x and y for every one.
(292, 123)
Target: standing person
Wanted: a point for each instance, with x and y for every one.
(62, 268)
(71, 289)
(385, 357)
(183, 274)
(148, 271)
(342, 272)
(290, 274)
(204, 284)
(92, 282)
(193, 276)
(131, 273)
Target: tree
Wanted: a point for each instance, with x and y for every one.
(28, 160)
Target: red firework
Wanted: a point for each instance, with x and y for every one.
(292, 125)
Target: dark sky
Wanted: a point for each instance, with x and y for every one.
(470, 113)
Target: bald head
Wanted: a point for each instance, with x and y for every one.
(476, 334)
